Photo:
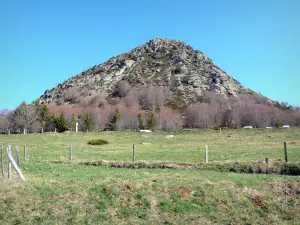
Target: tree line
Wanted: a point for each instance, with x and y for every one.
(149, 108)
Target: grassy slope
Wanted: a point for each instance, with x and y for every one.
(72, 193)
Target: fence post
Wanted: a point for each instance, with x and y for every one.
(2, 162)
(12, 162)
(133, 153)
(25, 153)
(9, 162)
(206, 154)
(70, 152)
(18, 157)
(285, 152)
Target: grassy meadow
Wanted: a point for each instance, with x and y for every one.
(74, 193)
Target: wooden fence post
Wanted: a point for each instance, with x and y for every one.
(18, 157)
(70, 152)
(206, 154)
(133, 153)
(9, 162)
(12, 161)
(2, 161)
(285, 152)
(25, 153)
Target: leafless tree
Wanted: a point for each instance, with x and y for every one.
(4, 124)
(98, 121)
(168, 120)
(83, 102)
(123, 88)
(4, 111)
(131, 99)
(23, 117)
(98, 101)
(71, 95)
(151, 97)
(200, 115)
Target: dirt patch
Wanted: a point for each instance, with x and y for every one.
(250, 191)
(257, 201)
(51, 197)
(224, 208)
(106, 190)
(181, 191)
(292, 190)
(153, 205)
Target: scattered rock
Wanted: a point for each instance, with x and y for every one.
(169, 136)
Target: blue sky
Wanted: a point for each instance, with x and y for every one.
(43, 43)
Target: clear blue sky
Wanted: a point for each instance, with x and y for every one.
(44, 42)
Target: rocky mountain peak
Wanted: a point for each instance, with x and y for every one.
(159, 62)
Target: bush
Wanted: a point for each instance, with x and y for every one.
(97, 142)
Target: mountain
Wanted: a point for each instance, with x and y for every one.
(186, 72)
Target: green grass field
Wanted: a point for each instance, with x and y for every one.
(72, 193)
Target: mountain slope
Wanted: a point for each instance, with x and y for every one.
(160, 62)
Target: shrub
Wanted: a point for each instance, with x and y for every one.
(97, 142)
(61, 124)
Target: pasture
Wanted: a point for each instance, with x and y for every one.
(60, 191)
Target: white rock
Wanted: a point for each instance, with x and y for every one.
(146, 131)
(169, 136)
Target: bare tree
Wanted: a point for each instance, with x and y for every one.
(151, 97)
(200, 115)
(131, 99)
(98, 100)
(123, 88)
(4, 124)
(71, 95)
(23, 117)
(4, 111)
(169, 120)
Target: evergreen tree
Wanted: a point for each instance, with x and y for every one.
(73, 123)
(112, 124)
(61, 123)
(141, 121)
(87, 122)
(46, 119)
(151, 123)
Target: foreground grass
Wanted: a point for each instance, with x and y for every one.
(77, 194)
(60, 193)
